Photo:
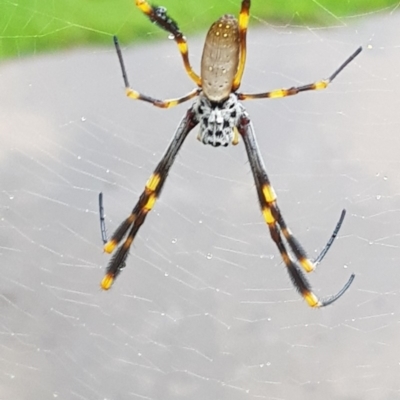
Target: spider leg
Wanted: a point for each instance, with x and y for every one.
(276, 224)
(103, 228)
(133, 94)
(322, 84)
(243, 23)
(321, 255)
(295, 245)
(102, 220)
(145, 203)
(158, 15)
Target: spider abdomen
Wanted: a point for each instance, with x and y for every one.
(220, 59)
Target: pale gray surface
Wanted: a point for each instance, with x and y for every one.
(204, 309)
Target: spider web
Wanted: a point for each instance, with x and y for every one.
(204, 308)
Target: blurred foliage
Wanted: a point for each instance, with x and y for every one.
(31, 26)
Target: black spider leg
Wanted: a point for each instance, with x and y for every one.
(159, 16)
(145, 203)
(135, 95)
(318, 85)
(103, 228)
(274, 219)
(323, 252)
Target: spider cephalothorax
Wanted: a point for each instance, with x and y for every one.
(222, 119)
(218, 120)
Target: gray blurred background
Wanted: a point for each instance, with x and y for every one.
(204, 308)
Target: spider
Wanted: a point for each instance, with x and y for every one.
(222, 119)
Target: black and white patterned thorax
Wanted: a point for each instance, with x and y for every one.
(217, 121)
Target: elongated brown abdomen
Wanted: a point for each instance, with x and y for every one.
(220, 58)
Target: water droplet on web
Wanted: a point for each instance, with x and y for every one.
(385, 178)
(174, 240)
(378, 197)
(83, 119)
(209, 256)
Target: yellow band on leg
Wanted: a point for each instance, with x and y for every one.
(311, 299)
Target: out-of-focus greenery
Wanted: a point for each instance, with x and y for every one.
(31, 26)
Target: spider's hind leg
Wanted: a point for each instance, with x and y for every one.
(277, 225)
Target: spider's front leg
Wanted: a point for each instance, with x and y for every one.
(145, 203)
(318, 85)
(158, 15)
(277, 225)
(135, 95)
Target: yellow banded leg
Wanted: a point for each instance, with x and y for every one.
(159, 16)
(145, 204)
(278, 93)
(243, 24)
(184, 50)
(110, 275)
(318, 85)
(275, 220)
(146, 201)
(295, 273)
(119, 233)
(133, 94)
(272, 214)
